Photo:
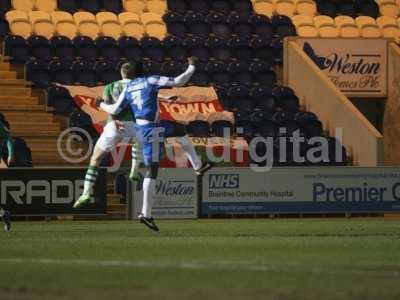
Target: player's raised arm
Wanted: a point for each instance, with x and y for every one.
(180, 80)
(114, 109)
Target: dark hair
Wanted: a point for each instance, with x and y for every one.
(132, 69)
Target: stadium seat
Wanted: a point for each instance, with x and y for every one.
(89, 28)
(221, 6)
(157, 6)
(305, 26)
(24, 5)
(174, 48)
(240, 48)
(327, 8)
(152, 48)
(17, 48)
(38, 73)
(85, 47)
(262, 26)
(264, 7)
(170, 68)
(67, 28)
(128, 16)
(347, 27)
(130, 48)
(61, 71)
(217, 22)
(364, 20)
(84, 73)
(242, 6)
(62, 47)
(218, 72)
(218, 48)
(113, 6)
(104, 16)
(107, 48)
(152, 67)
(16, 15)
(4, 28)
(148, 17)
(198, 128)
(200, 6)
(83, 16)
(285, 7)
(323, 20)
(262, 49)
(156, 29)
(68, 5)
(107, 72)
(222, 128)
(44, 28)
(48, 6)
(283, 26)
(92, 6)
(240, 24)
(368, 8)
(388, 26)
(347, 8)
(196, 47)
(38, 15)
(58, 16)
(133, 29)
(178, 6)
(306, 8)
(111, 29)
(196, 24)
(135, 6)
(40, 47)
(388, 8)
(21, 27)
(5, 5)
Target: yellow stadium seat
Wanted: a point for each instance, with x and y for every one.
(364, 20)
(370, 31)
(156, 29)
(385, 20)
(25, 5)
(89, 28)
(323, 20)
(328, 31)
(16, 14)
(307, 30)
(157, 6)
(390, 31)
(344, 20)
(302, 19)
(83, 16)
(104, 16)
(285, 7)
(67, 28)
(306, 7)
(128, 16)
(133, 29)
(349, 30)
(150, 17)
(135, 6)
(112, 29)
(389, 8)
(58, 16)
(43, 27)
(38, 15)
(264, 7)
(21, 27)
(46, 5)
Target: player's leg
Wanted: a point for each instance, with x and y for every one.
(136, 160)
(6, 216)
(107, 141)
(173, 129)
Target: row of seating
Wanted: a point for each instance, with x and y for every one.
(243, 49)
(345, 26)
(85, 23)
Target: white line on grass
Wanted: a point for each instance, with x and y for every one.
(215, 266)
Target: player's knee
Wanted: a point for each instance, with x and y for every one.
(152, 171)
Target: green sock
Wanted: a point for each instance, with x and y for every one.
(90, 180)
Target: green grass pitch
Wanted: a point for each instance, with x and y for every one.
(204, 259)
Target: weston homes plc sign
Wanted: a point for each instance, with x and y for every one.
(358, 67)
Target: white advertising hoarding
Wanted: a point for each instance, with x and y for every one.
(357, 67)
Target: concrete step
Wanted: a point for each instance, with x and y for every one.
(113, 198)
(8, 74)
(18, 126)
(13, 82)
(26, 133)
(24, 108)
(19, 100)
(16, 91)
(34, 116)
(4, 66)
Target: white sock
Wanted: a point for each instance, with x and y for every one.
(149, 187)
(90, 180)
(191, 153)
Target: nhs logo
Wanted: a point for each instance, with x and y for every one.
(224, 181)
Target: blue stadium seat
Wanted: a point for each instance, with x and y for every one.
(173, 17)
(242, 6)
(17, 48)
(218, 48)
(312, 129)
(174, 47)
(85, 47)
(367, 8)
(283, 26)
(217, 71)
(240, 46)
(152, 48)
(198, 128)
(262, 26)
(62, 47)
(84, 73)
(220, 127)
(39, 46)
(196, 25)
(238, 92)
(38, 73)
(239, 24)
(61, 71)
(347, 8)
(68, 6)
(289, 104)
(305, 117)
(151, 67)
(201, 77)
(60, 99)
(92, 6)
(175, 24)
(262, 49)
(177, 6)
(280, 92)
(222, 6)
(4, 27)
(130, 48)
(327, 7)
(201, 6)
(172, 68)
(108, 48)
(218, 24)
(277, 48)
(5, 5)
(107, 71)
(196, 47)
(113, 6)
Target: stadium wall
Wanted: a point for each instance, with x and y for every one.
(318, 94)
(391, 121)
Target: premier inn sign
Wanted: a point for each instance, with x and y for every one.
(357, 67)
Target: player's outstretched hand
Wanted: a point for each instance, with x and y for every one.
(99, 100)
(192, 60)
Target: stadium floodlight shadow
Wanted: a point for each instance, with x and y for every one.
(61, 71)
(62, 47)
(17, 48)
(85, 47)
(108, 48)
(130, 48)
(174, 48)
(84, 73)
(38, 73)
(40, 47)
(107, 71)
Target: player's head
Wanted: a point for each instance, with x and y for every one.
(132, 69)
